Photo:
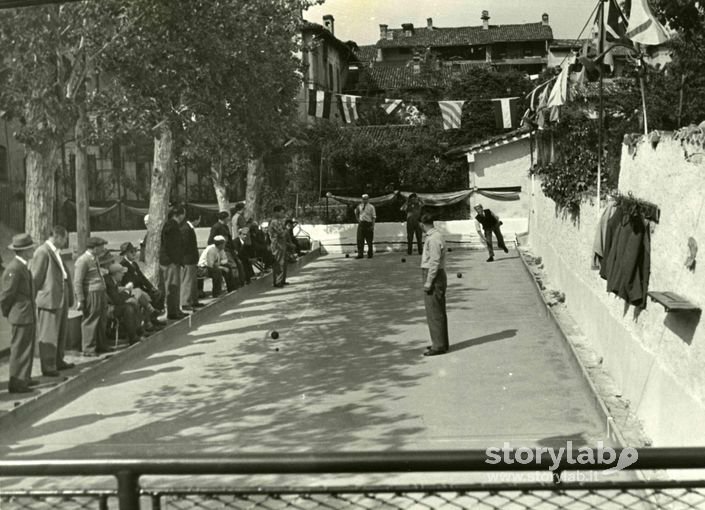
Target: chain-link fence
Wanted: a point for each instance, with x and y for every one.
(63, 500)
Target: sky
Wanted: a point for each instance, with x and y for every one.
(359, 20)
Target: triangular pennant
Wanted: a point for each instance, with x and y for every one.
(452, 113)
(505, 112)
(319, 103)
(348, 107)
(390, 105)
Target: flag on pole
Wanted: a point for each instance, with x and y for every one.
(559, 92)
(505, 112)
(452, 112)
(390, 105)
(348, 107)
(615, 29)
(542, 107)
(319, 103)
(535, 95)
(644, 28)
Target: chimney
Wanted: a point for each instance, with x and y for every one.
(329, 23)
(544, 19)
(429, 23)
(383, 31)
(408, 29)
(416, 62)
(485, 20)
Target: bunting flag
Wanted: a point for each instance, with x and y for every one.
(319, 103)
(505, 112)
(452, 112)
(390, 105)
(559, 93)
(348, 107)
(644, 28)
(541, 108)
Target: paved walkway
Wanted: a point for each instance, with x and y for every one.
(345, 374)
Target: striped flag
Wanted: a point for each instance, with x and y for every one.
(615, 29)
(319, 103)
(348, 107)
(559, 92)
(390, 105)
(451, 112)
(505, 112)
(643, 27)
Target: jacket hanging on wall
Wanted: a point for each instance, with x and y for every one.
(627, 264)
(598, 245)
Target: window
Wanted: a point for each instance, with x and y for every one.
(4, 170)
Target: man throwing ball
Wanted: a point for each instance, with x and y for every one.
(435, 283)
(490, 225)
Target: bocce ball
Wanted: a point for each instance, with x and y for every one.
(450, 249)
(347, 255)
(460, 275)
(277, 349)
(274, 335)
(403, 260)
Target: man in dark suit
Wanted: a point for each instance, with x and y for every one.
(189, 278)
(243, 248)
(490, 225)
(171, 258)
(54, 298)
(134, 275)
(122, 304)
(17, 304)
(413, 208)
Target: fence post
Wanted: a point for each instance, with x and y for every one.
(128, 490)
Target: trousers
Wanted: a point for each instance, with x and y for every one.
(435, 305)
(365, 234)
(52, 328)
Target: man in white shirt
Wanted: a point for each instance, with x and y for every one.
(366, 215)
(213, 264)
(435, 283)
(54, 288)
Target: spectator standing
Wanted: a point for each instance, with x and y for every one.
(413, 207)
(365, 215)
(135, 276)
(243, 247)
(54, 288)
(260, 246)
(91, 300)
(490, 225)
(171, 259)
(221, 228)
(17, 303)
(278, 239)
(189, 279)
(435, 283)
(238, 221)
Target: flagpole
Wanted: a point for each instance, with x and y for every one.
(601, 48)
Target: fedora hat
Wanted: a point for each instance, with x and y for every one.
(94, 242)
(21, 242)
(105, 259)
(127, 246)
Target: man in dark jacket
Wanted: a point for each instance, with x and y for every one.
(413, 207)
(171, 258)
(122, 305)
(490, 225)
(189, 278)
(134, 275)
(243, 247)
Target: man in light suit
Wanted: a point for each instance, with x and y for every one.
(17, 304)
(91, 298)
(54, 287)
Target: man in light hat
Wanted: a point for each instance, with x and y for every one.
(213, 264)
(17, 304)
(490, 225)
(54, 298)
(366, 216)
(91, 299)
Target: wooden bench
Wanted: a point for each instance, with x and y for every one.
(673, 302)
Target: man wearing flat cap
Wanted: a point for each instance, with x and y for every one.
(17, 304)
(54, 287)
(136, 277)
(366, 216)
(91, 299)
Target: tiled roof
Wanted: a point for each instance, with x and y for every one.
(387, 76)
(322, 31)
(367, 53)
(467, 36)
(490, 143)
(568, 43)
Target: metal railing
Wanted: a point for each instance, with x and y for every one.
(635, 493)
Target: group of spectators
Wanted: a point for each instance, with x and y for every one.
(37, 289)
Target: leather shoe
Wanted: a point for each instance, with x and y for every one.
(433, 352)
(198, 305)
(360, 257)
(63, 365)
(90, 354)
(506, 250)
(491, 259)
(19, 388)
(51, 373)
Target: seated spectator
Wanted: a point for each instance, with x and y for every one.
(260, 245)
(122, 305)
(243, 247)
(135, 276)
(214, 264)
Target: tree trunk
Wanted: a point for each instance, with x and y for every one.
(221, 191)
(83, 219)
(42, 165)
(162, 182)
(253, 192)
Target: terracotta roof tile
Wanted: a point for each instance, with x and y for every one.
(366, 53)
(467, 36)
